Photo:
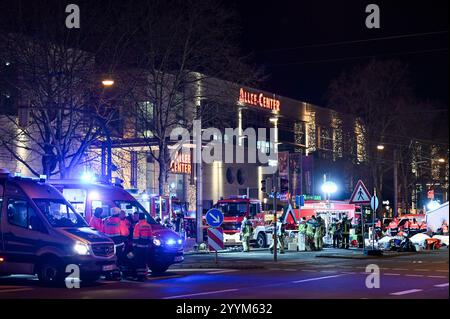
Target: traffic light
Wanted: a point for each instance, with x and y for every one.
(284, 185)
(266, 186)
(263, 186)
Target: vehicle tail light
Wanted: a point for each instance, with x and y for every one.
(2, 259)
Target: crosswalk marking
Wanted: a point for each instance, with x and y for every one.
(442, 285)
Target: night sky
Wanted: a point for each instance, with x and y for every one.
(282, 36)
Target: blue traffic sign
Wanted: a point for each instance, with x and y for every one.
(374, 203)
(214, 217)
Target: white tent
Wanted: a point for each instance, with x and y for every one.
(436, 216)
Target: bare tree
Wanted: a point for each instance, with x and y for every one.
(377, 94)
(179, 49)
(60, 106)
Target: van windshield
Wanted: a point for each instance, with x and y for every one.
(59, 214)
(131, 207)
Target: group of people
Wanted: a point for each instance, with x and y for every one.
(311, 233)
(132, 236)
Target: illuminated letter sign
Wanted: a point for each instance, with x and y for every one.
(182, 164)
(259, 100)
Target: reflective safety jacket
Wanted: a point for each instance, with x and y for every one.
(124, 227)
(111, 226)
(393, 225)
(346, 225)
(423, 225)
(320, 229)
(302, 228)
(96, 223)
(378, 224)
(311, 226)
(142, 233)
(414, 226)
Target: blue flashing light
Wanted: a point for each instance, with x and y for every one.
(88, 177)
(170, 242)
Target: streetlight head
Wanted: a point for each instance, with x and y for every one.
(108, 82)
(329, 187)
(380, 147)
(441, 160)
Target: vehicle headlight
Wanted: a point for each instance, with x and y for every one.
(179, 241)
(81, 248)
(170, 242)
(156, 242)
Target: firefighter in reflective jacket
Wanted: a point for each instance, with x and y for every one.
(96, 220)
(413, 227)
(142, 236)
(111, 228)
(302, 235)
(318, 235)
(393, 227)
(311, 226)
(246, 234)
(423, 227)
(279, 236)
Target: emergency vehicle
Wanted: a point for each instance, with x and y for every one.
(167, 247)
(41, 233)
(237, 207)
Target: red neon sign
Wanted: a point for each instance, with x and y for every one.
(259, 100)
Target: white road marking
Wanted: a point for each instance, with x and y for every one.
(405, 292)
(309, 270)
(422, 270)
(437, 276)
(441, 285)
(399, 269)
(201, 294)
(389, 274)
(415, 275)
(316, 278)
(221, 271)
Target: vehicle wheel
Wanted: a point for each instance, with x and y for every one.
(50, 271)
(261, 241)
(159, 269)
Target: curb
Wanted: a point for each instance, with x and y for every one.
(362, 256)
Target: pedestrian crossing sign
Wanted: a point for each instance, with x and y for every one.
(360, 194)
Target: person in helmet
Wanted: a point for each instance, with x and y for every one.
(279, 236)
(311, 226)
(318, 235)
(246, 233)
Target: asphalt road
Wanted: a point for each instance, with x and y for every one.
(255, 276)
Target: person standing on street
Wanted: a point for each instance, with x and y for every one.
(311, 226)
(96, 220)
(318, 235)
(393, 227)
(246, 234)
(279, 236)
(302, 235)
(346, 226)
(333, 230)
(112, 228)
(142, 235)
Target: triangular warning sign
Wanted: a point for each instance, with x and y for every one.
(360, 194)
